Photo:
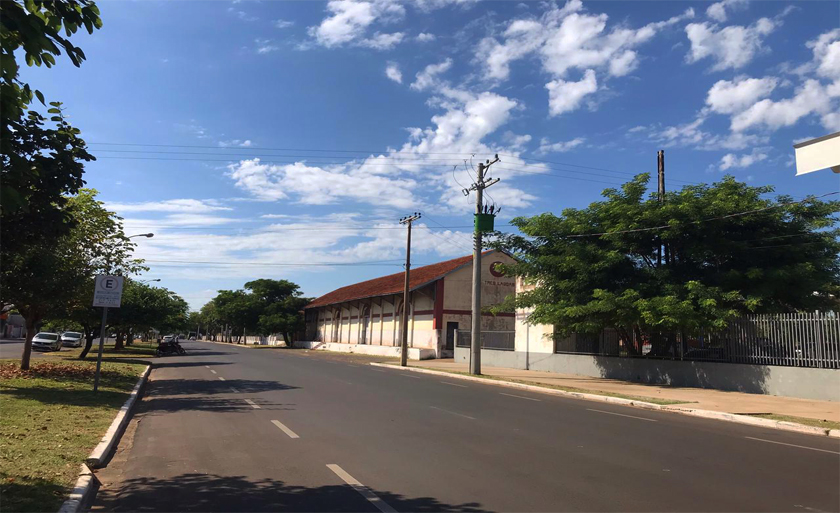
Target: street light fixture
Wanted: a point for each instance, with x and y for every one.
(148, 281)
(147, 235)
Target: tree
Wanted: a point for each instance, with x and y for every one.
(728, 251)
(264, 306)
(280, 304)
(55, 279)
(42, 163)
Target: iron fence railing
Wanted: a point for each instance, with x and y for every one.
(497, 340)
(794, 340)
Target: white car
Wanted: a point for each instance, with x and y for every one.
(71, 339)
(46, 341)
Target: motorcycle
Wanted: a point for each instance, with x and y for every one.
(170, 347)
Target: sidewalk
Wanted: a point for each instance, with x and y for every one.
(695, 398)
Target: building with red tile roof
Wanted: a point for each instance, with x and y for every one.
(360, 316)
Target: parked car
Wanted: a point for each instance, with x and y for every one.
(71, 339)
(46, 341)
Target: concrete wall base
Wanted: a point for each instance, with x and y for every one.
(804, 383)
(414, 353)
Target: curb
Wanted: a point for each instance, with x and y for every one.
(83, 492)
(707, 414)
(101, 452)
(87, 484)
(228, 344)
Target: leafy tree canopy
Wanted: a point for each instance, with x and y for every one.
(727, 250)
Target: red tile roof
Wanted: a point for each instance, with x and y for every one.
(391, 284)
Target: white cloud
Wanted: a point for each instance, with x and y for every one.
(547, 146)
(314, 185)
(691, 135)
(425, 37)
(729, 47)
(728, 97)
(516, 141)
(242, 15)
(730, 160)
(281, 24)
(246, 143)
(382, 41)
(566, 96)
(349, 20)
(826, 50)
(717, 11)
(186, 205)
(264, 46)
(566, 39)
(392, 71)
(427, 78)
(811, 97)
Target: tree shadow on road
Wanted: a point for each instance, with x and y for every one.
(209, 492)
(178, 395)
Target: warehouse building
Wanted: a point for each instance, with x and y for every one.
(365, 317)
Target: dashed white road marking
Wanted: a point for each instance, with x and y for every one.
(234, 390)
(621, 415)
(409, 375)
(211, 370)
(454, 384)
(792, 445)
(520, 397)
(362, 489)
(284, 429)
(253, 404)
(207, 366)
(452, 412)
(351, 365)
(377, 370)
(221, 378)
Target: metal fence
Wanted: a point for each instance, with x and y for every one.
(497, 340)
(794, 340)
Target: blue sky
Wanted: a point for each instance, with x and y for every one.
(253, 135)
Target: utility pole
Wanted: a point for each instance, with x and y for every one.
(404, 321)
(660, 173)
(475, 336)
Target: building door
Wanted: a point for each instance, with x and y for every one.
(451, 327)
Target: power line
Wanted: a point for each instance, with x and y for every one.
(282, 264)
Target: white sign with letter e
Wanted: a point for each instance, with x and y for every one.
(108, 291)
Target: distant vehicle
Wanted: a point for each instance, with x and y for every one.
(46, 341)
(71, 339)
(169, 338)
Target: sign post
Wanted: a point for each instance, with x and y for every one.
(107, 293)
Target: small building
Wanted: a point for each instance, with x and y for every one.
(365, 317)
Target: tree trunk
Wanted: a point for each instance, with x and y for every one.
(118, 345)
(31, 322)
(90, 333)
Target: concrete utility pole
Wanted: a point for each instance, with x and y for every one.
(475, 336)
(404, 321)
(660, 173)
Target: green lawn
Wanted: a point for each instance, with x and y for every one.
(51, 420)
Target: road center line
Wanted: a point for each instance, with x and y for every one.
(221, 378)
(211, 370)
(362, 489)
(621, 415)
(234, 390)
(410, 376)
(377, 370)
(253, 404)
(452, 412)
(520, 397)
(454, 384)
(284, 429)
(792, 445)
(351, 365)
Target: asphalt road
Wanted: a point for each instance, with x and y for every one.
(234, 429)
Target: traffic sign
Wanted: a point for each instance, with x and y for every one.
(107, 291)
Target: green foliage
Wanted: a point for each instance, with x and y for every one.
(144, 308)
(780, 257)
(55, 278)
(265, 307)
